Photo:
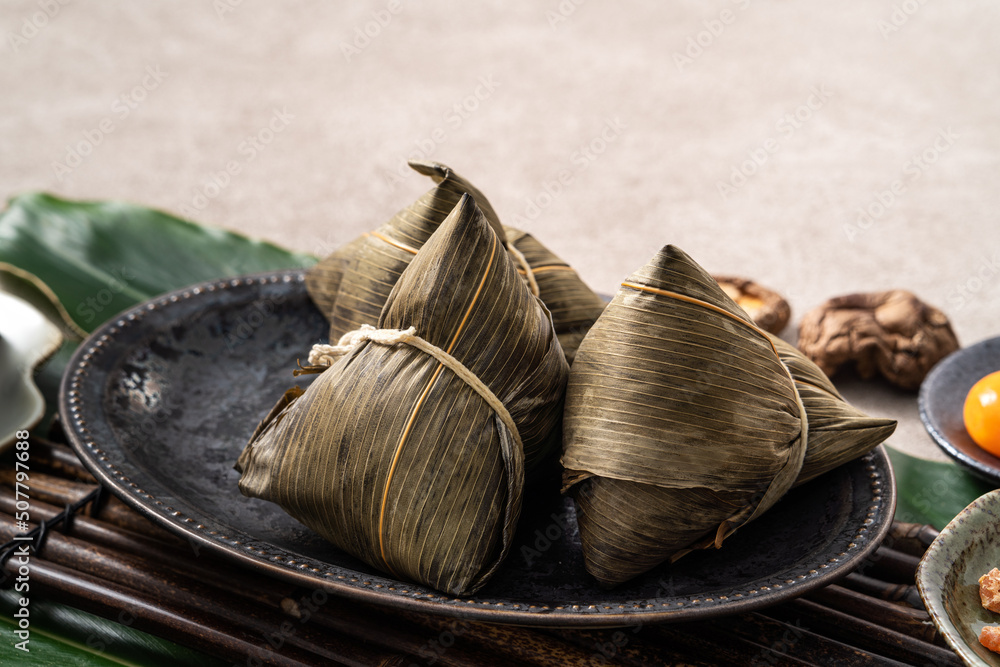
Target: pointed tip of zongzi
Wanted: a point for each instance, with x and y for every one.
(838, 432)
(447, 180)
(465, 207)
(465, 221)
(466, 251)
(435, 170)
(673, 270)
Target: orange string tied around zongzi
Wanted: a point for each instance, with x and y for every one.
(529, 274)
(326, 355)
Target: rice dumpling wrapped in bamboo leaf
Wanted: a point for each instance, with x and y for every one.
(838, 432)
(409, 450)
(351, 284)
(574, 306)
(683, 421)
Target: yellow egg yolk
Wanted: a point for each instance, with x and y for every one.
(982, 413)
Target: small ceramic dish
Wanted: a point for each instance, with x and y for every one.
(942, 396)
(948, 578)
(26, 340)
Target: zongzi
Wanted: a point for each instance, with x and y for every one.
(683, 421)
(351, 285)
(838, 432)
(573, 305)
(408, 448)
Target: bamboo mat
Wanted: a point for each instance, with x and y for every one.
(118, 561)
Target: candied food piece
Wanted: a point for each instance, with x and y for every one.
(989, 637)
(892, 333)
(989, 590)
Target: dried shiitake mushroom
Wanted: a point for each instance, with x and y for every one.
(892, 333)
(765, 307)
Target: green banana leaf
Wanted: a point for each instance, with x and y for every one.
(64, 636)
(30, 288)
(932, 492)
(99, 258)
(102, 257)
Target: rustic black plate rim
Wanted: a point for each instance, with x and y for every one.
(378, 590)
(933, 403)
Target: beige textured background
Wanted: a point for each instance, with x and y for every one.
(166, 95)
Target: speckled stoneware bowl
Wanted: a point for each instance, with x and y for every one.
(948, 578)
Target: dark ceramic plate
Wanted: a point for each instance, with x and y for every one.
(942, 397)
(160, 401)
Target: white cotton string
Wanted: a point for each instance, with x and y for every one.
(326, 355)
(323, 354)
(529, 275)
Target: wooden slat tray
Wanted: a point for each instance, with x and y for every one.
(118, 561)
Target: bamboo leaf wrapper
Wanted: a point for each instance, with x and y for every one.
(392, 456)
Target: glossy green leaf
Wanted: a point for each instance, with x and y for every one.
(27, 338)
(64, 636)
(932, 492)
(97, 259)
(30, 288)
(47, 379)
(100, 258)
